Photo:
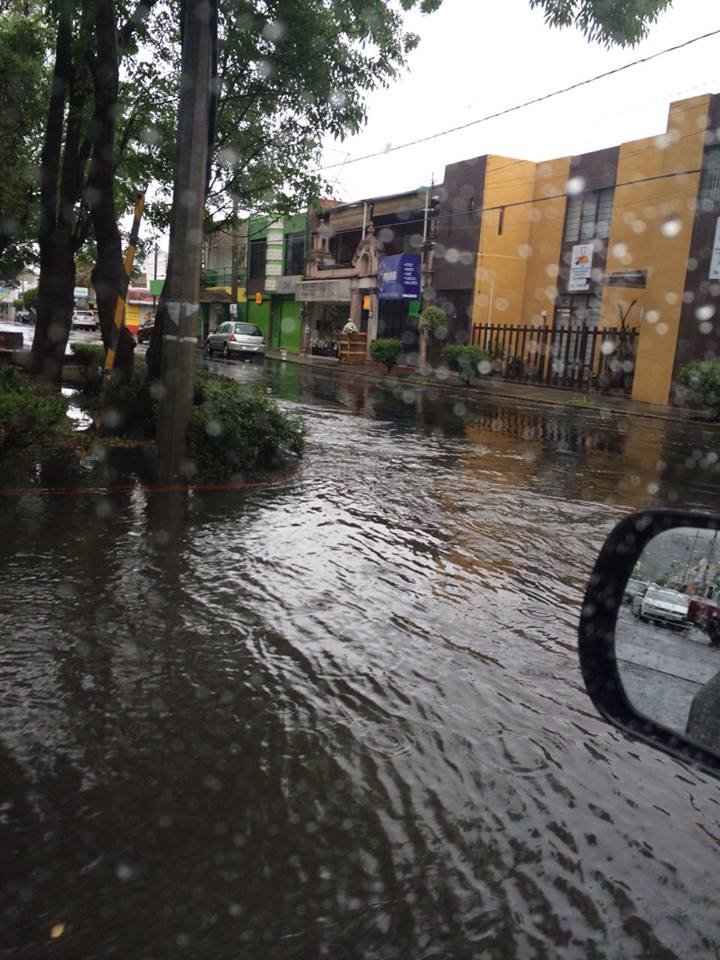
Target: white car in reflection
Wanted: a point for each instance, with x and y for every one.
(233, 339)
(662, 605)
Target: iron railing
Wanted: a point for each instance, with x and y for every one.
(574, 357)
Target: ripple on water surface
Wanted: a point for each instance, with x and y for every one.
(343, 716)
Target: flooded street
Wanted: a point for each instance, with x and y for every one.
(341, 715)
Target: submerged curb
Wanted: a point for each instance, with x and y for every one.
(499, 390)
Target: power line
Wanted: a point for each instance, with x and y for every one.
(521, 106)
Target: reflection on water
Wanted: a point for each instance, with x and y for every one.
(342, 716)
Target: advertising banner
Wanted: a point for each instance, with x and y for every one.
(399, 277)
(580, 268)
(715, 257)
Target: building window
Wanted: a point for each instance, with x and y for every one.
(258, 255)
(343, 246)
(588, 215)
(709, 195)
(294, 254)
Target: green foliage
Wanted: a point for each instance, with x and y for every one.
(432, 320)
(466, 360)
(233, 430)
(699, 384)
(23, 94)
(111, 404)
(386, 351)
(29, 414)
(30, 299)
(623, 23)
(89, 352)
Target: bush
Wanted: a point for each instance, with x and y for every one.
(699, 383)
(466, 360)
(386, 351)
(234, 430)
(116, 406)
(89, 353)
(29, 414)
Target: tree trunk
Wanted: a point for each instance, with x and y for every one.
(179, 308)
(55, 293)
(423, 352)
(108, 272)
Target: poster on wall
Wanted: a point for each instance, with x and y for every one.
(580, 268)
(399, 277)
(715, 258)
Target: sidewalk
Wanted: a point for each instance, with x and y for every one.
(500, 389)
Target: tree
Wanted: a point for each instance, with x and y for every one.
(618, 22)
(78, 169)
(431, 320)
(23, 91)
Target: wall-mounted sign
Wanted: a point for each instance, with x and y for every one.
(287, 284)
(715, 258)
(323, 291)
(580, 268)
(399, 277)
(627, 278)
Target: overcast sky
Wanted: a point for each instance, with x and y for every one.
(478, 58)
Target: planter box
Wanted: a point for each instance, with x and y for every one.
(353, 348)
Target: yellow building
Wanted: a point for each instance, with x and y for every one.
(628, 234)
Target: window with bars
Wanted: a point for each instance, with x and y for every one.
(258, 254)
(588, 215)
(294, 254)
(709, 195)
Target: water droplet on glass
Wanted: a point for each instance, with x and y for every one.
(574, 186)
(671, 227)
(705, 312)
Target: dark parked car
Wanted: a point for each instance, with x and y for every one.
(25, 316)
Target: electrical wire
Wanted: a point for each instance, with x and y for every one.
(521, 106)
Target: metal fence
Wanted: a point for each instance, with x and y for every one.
(572, 357)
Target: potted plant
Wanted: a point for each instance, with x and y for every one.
(515, 368)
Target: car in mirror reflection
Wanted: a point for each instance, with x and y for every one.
(633, 588)
(664, 606)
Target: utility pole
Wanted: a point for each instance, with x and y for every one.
(182, 283)
(234, 259)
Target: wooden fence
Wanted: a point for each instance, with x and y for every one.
(573, 357)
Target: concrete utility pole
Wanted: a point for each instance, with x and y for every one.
(234, 258)
(182, 284)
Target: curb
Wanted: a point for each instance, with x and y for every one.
(678, 414)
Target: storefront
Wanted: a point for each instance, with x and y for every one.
(326, 310)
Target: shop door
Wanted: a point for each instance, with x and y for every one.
(287, 326)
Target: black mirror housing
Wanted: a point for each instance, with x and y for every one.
(597, 634)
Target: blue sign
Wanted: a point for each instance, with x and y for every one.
(399, 277)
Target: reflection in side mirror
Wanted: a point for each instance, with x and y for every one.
(650, 633)
(667, 634)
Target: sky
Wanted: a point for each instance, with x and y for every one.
(477, 58)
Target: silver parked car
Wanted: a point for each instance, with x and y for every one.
(662, 605)
(232, 338)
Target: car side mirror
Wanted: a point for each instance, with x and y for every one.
(649, 638)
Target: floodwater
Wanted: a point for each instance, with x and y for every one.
(341, 715)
